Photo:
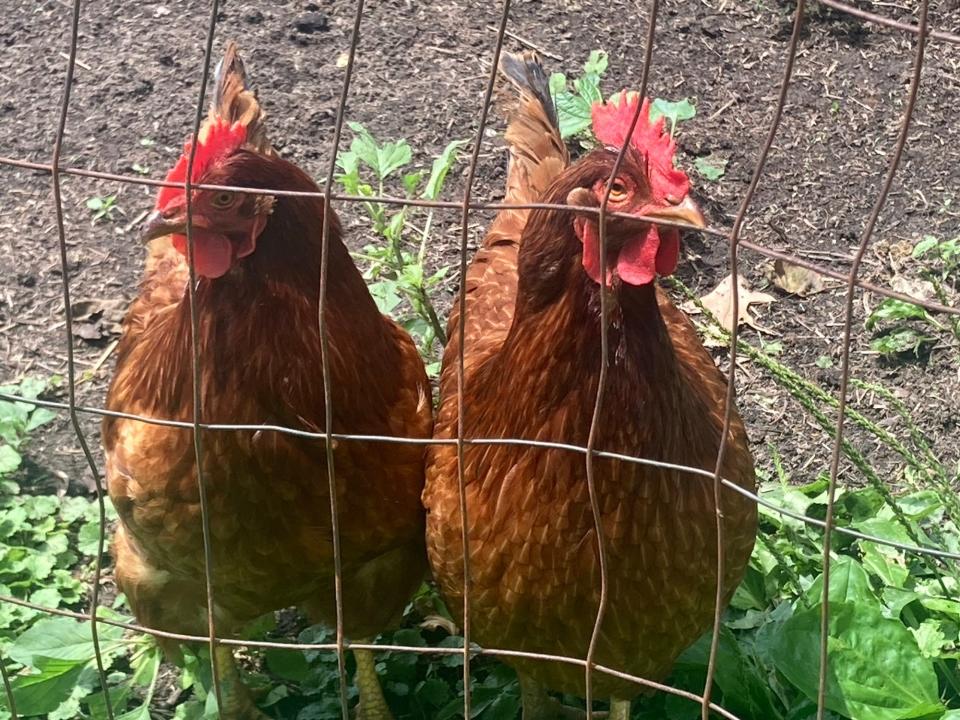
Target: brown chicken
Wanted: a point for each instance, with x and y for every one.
(257, 262)
(532, 364)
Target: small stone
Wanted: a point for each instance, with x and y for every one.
(254, 17)
(311, 22)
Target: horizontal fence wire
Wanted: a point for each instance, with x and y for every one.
(771, 253)
(466, 206)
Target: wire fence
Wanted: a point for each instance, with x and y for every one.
(467, 206)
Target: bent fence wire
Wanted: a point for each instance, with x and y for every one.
(922, 33)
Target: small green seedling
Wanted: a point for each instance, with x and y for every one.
(103, 207)
(674, 112)
(709, 168)
(903, 327)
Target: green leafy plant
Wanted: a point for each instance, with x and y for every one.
(901, 327)
(395, 270)
(46, 544)
(574, 99)
(58, 677)
(893, 616)
(103, 207)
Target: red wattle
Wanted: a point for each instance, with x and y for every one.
(212, 253)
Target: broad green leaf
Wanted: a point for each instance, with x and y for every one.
(885, 562)
(392, 156)
(746, 691)
(63, 639)
(40, 416)
(876, 669)
(930, 638)
(848, 583)
(43, 692)
(710, 169)
(9, 459)
(900, 340)
(287, 664)
(588, 88)
(893, 309)
(674, 112)
(441, 166)
(922, 247)
(573, 113)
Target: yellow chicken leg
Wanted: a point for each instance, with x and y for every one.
(619, 709)
(373, 706)
(237, 702)
(538, 705)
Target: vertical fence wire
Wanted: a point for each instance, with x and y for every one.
(604, 355)
(195, 360)
(734, 239)
(461, 339)
(868, 229)
(325, 358)
(71, 367)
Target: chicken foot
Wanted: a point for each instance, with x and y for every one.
(373, 706)
(538, 705)
(237, 702)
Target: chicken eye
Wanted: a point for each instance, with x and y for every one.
(222, 200)
(618, 191)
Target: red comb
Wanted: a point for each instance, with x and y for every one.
(611, 121)
(217, 140)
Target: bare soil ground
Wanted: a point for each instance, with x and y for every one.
(420, 74)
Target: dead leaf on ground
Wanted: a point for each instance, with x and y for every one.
(915, 288)
(719, 302)
(795, 279)
(97, 318)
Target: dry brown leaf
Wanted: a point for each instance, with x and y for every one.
(97, 318)
(718, 302)
(795, 279)
(916, 288)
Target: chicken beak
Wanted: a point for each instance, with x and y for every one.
(156, 225)
(686, 212)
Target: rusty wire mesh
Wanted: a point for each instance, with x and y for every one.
(647, 16)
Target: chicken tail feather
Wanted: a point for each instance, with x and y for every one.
(528, 76)
(537, 152)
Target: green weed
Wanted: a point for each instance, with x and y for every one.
(395, 270)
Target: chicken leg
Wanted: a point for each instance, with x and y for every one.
(619, 709)
(538, 705)
(373, 705)
(237, 702)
